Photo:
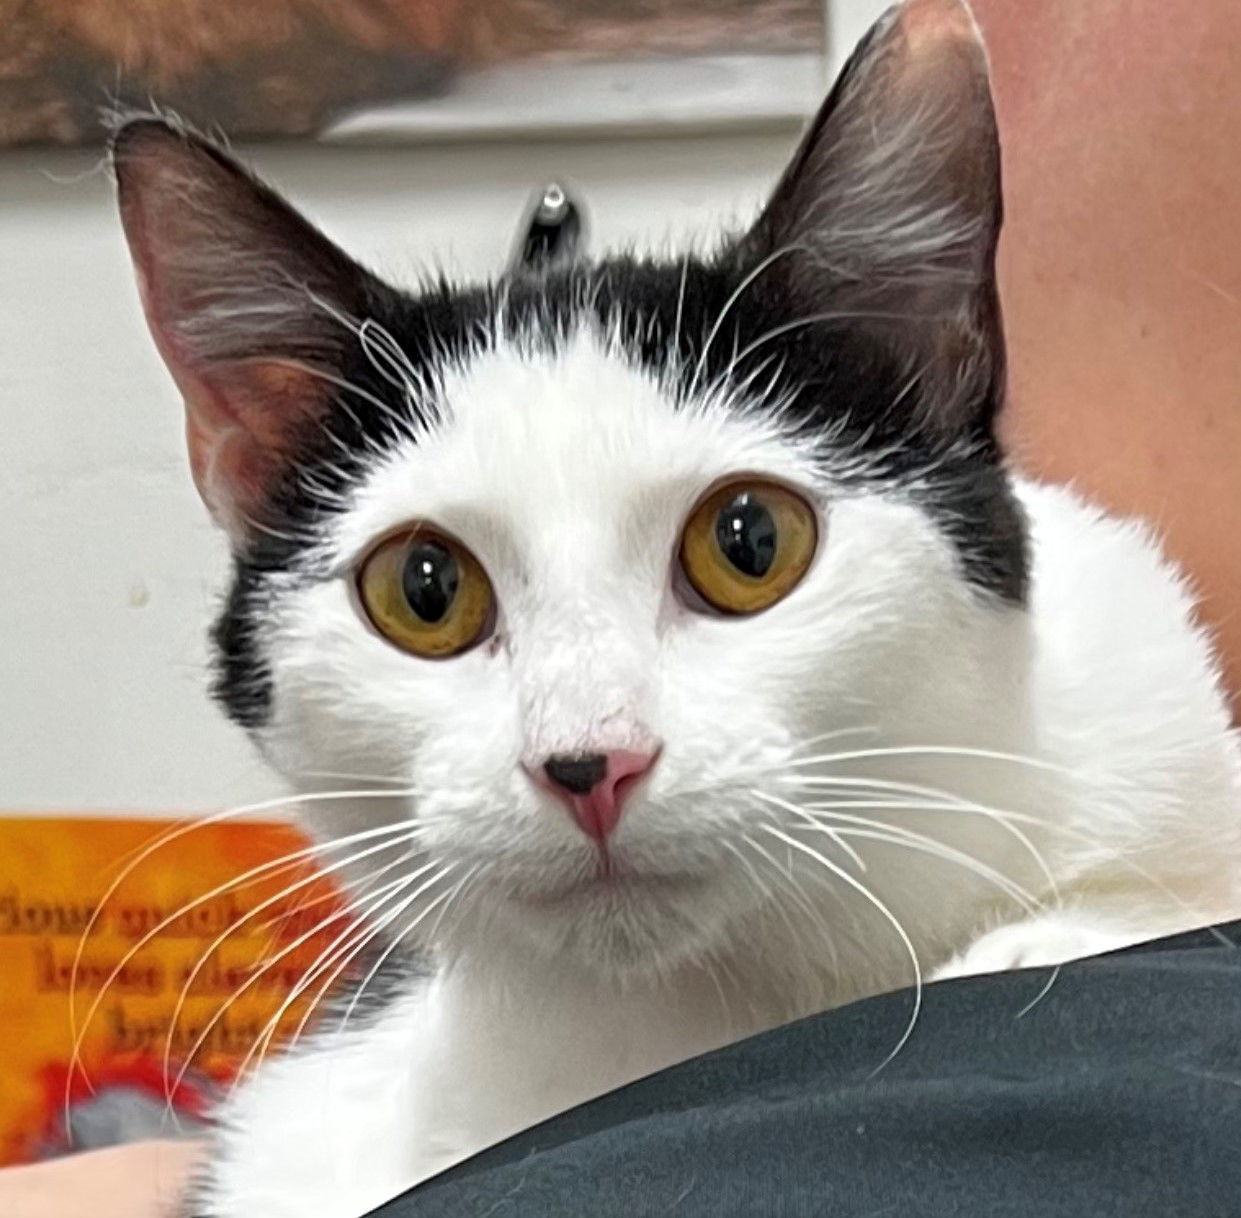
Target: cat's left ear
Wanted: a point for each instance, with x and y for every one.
(249, 305)
(886, 220)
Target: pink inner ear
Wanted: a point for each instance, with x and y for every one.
(242, 419)
(243, 424)
(230, 277)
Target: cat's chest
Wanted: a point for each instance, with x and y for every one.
(493, 1067)
(442, 1073)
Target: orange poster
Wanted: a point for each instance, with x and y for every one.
(144, 963)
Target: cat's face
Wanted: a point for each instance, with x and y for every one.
(583, 566)
(573, 480)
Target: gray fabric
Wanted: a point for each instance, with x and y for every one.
(1117, 1095)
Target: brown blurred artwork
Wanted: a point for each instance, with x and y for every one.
(289, 67)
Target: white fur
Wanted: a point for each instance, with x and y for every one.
(1038, 942)
(570, 476)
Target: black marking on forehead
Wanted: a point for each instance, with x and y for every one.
(829, 378)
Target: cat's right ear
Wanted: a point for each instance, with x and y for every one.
(889, 213)
(247, 302)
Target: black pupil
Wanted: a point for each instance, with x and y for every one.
(430, 580)
(746, 533)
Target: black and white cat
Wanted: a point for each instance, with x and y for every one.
(662, 647)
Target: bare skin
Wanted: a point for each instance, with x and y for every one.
(1121, 277)
(1120, 267)
(144, 1180)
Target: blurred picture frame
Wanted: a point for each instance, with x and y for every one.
(376, 71)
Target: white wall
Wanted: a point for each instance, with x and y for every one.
(110, 570)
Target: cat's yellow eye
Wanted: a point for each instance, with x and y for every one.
(426, 593)
(747, 545)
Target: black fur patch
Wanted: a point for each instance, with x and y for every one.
(242, 682)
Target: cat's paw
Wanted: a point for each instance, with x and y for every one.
(1040, 942)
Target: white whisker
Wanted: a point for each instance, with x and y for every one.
(297, 942)
(317, 875)
(76, 1032)
(877, 831)
(797, 892)
(736, 295)
(935, 799)
(777, 802)
(883, 910)
(1046, 989)
(938, 750)
(374, 971)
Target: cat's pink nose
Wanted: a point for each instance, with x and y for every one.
(593, 786)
